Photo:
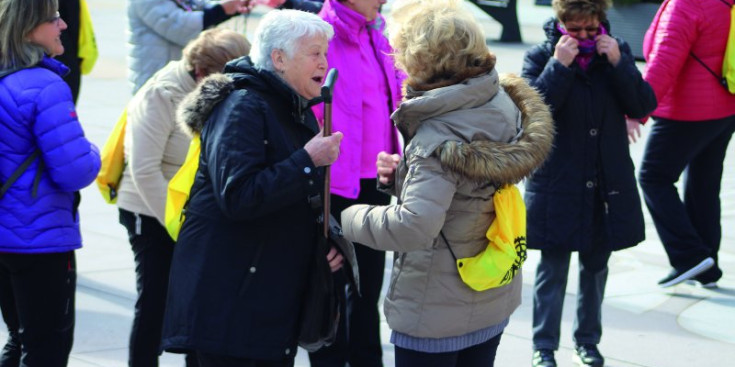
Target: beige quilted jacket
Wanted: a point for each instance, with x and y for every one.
(462, 141)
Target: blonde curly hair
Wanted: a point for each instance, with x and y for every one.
(437, 43)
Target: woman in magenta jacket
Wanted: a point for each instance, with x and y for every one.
(367, 91)
(695, 119)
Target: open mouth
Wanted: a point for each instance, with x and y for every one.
(318, 79)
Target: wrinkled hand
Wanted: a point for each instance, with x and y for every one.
(634, 129)
(233, 7)
(387, 164)
(324, 150)
(607, 45)
(335, 259)
(566, 50)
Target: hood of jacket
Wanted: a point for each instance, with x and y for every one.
(240, 73)
(479, 158)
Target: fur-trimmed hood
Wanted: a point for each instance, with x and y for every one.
(195, 108)
(487, 128)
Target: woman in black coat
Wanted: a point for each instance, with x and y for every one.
(584, 198)
(240, 265)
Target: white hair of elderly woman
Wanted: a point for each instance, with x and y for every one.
(282, 30)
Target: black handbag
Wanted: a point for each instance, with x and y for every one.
(320, 312)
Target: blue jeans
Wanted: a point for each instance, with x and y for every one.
(690, 229)
(481, 355)
(550, 289)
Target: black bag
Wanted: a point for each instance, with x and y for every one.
(320, 312)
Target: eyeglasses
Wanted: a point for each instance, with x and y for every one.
(589, 30)
(55, 19)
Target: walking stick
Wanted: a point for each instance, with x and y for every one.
(327, 97)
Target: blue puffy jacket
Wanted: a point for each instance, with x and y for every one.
(37, 113)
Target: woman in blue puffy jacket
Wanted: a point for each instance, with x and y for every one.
(44, 160)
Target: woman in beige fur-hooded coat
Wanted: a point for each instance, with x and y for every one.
(467, 131)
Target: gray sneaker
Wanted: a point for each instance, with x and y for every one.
(677, 276)
(587, 355)
(543, 358)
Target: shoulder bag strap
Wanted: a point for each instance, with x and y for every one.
(19, 171)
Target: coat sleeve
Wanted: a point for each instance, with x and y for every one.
(416, 221)
(245, 185)
(168, 20)
(633, 93)
(673, 40)
(549, 76)
(151, 122)
(71, 161)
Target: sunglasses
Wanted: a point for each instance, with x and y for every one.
(589, 30)
(55, 19)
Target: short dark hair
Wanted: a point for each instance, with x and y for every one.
(580, 9)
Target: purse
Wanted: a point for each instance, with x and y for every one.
(323, 299)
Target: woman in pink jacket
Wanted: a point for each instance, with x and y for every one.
(695, 119)
(367, 91)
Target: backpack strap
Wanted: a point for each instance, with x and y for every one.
(19, 171)
(720, 79)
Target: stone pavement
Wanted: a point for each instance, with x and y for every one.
(644, 325)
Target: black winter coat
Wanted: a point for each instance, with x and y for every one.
(586, 191)
(240, 265)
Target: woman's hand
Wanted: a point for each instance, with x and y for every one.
(566, 50)
(387, 164)
(335, 259)
(634, 129)
(233, 7)
(607, 45)
(324, 150)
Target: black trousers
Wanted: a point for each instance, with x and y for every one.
(37, 302)
(481, 355)
(690, 228)
(69, 12)
(358, 337)
(153, 249)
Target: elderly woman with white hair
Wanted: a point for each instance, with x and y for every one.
(240, 266)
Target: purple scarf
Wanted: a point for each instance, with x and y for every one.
(586, 47)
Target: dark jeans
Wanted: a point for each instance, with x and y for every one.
(690, 229)
(37, 301)
(152, 249)
(213, 360)
(358, 339)
(550, 289)
(481, 355)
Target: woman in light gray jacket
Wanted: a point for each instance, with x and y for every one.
(158, 30)
(467, 132)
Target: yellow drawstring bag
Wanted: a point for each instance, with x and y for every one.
(113, 161)
(179, 187)
(87, 52)
(728, 65)
(501, 260)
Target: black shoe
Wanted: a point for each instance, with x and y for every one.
(543, 358)
(588, 355)
(677, 276)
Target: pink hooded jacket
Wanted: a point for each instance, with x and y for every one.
(685, 90)
(347, 108)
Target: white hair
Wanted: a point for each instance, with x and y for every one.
(282, 30)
